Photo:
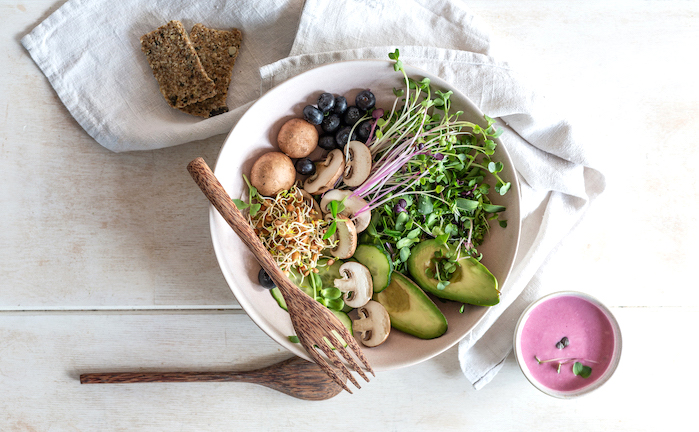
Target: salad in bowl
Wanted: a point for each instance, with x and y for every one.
(383, 194)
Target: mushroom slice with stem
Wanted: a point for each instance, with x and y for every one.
(373, 324)
(345, 235)
(327, 173)
(352, 203)
(357, 163)
(356, 284)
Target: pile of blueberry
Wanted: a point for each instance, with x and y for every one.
(336, 118)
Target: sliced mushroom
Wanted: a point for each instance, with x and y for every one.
(327, 173)
(346, 237)
(352, 205)
(356, 284)
(357, 163)
(373, 324)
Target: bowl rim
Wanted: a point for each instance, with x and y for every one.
(616, 357)
(247, 305)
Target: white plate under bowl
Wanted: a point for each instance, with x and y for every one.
(256, 133)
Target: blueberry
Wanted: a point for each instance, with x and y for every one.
(326, 102)
(365, 100)
(327, 142)
(312, 115)
(343, 136)
(265, 280)
(330, 123)
(363, 130)
(305, 166)
(340, 105)
(351, 116)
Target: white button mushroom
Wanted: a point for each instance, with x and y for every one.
(373, 325)
(346, 237)
(356, 284)
(327, 173)
(357, 163)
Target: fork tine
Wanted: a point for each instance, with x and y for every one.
(323, 345)
(320, 361)
(352, 343)
(348, 358)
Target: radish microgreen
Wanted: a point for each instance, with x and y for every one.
(432, 174)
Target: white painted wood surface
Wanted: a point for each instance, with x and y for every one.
(106, 261)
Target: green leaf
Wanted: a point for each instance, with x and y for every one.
(336, 304)
(442, 238)
(336, 207)
(492, 208)
(424, 205)
(331, 293)
(503, 188)
(254, 209)
(581, 370)
(404, 254)
(242, 205)
(293, 339)
(466, 204)
(442, 284)
(401, 220)
(331, 230)
(316, 280)
(414, 233)
(404, 242)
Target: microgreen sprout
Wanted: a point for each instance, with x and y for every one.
(432, 174)
(581, 370)
(578, 368)
(336, 207)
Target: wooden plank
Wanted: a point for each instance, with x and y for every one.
(41, 357)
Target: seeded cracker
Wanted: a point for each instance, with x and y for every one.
(176, 66)
(217, 50)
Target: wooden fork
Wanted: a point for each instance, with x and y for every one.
(316, 327)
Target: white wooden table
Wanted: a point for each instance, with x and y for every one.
(106, 260)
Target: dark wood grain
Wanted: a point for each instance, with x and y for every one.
(314, 324)
(296, 377)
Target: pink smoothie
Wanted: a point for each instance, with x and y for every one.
(590, 335)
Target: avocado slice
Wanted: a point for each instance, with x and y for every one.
(471, 283)
(410, 309)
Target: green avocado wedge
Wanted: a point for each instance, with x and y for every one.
(471, 283)
(410, 310)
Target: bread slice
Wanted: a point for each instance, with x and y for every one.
(176, 66)
(217, 50)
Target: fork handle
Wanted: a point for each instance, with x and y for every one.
(219, 198)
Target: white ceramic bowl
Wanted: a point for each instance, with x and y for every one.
(593, 331)
(255, 134)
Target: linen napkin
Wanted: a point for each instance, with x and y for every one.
(91, 55)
